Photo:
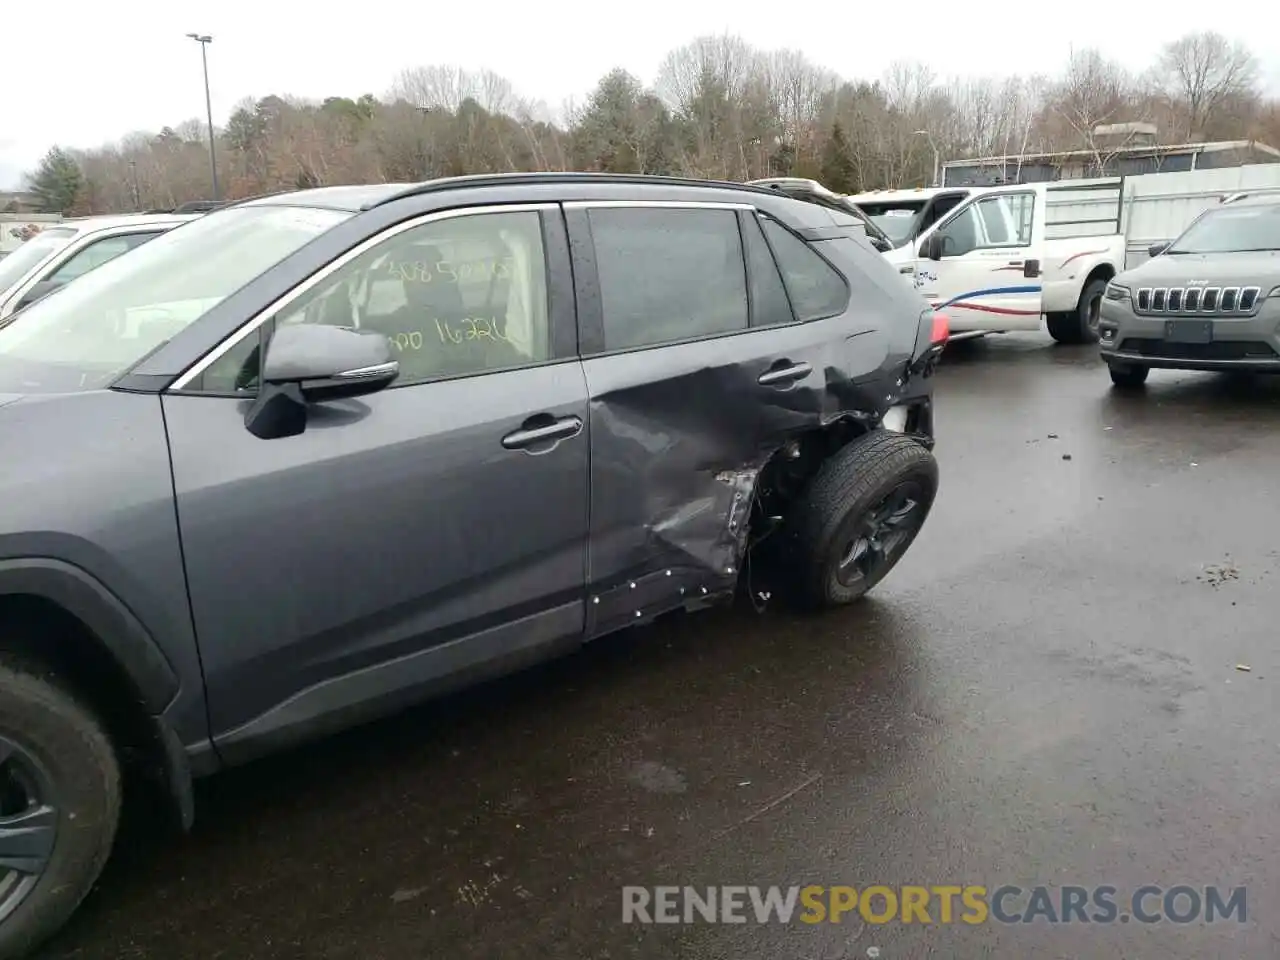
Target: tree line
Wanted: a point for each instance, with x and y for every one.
(718, 108)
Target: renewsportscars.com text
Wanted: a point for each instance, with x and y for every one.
(941, 904)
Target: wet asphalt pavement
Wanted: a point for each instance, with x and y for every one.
(1045, 691)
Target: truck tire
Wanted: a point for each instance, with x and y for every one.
(1081, 324)
(1128, 376)
(59, 807)
(857, 518)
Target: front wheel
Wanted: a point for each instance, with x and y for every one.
(59, 807)
(858, 517)
(1128, 375)
(1081, 324)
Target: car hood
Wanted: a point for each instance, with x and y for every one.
(1219, 269)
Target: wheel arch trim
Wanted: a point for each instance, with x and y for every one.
(87, 599)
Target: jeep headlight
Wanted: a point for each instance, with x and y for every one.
(1275, 292)
(1116, 291)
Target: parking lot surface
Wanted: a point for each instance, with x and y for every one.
(1049, 690)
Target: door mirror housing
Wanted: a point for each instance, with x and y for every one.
(932, 248)
(41, 289)
(1158, 248)
(314, 363)
(329, 363)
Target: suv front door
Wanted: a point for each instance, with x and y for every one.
(429, 532)
(986, 249)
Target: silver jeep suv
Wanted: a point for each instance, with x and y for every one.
(1209, 300)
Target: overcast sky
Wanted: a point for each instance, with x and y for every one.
(95, 71)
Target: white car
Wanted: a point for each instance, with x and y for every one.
(62, 252)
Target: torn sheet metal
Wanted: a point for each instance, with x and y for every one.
(678, 441)
(704, 540)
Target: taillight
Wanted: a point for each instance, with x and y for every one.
(941, 329)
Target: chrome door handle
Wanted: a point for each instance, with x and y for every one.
(528, 436)
(797, 371)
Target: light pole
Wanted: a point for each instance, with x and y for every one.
(133, 172)
(204, 40)
(926, 133)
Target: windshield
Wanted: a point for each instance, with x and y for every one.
(1230, 231)
(894, 219)
(89, 332)
(31, 253)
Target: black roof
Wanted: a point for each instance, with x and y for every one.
(363, 197)
(350, 198)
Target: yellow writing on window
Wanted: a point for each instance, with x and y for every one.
(448, 271)
(470, 328)
(450, 334)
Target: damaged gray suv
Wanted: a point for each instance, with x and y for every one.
(315, 456)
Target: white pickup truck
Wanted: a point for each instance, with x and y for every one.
(1004, 256)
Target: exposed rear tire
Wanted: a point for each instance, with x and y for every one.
(60, 787)
(1128, 376)
(857, 518)
(1081, 324)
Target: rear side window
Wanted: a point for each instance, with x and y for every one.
(816, 289)
(769, 303)
(668, 274)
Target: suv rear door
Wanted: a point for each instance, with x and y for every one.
(700, 364)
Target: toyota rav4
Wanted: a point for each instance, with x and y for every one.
(315, 456)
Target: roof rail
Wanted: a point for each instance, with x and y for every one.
(557, 177)
(198, 206)
(1266, 192)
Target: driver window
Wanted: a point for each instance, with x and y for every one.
(962, 234)
(455, 297)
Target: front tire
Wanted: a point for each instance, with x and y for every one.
(857, 518)
(1081, 324)
(59, 807)
(1128, 376)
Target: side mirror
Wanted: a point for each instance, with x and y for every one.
(41, 289)
(314, 363)
(329, 363)
(932, 248)
(1158, 248)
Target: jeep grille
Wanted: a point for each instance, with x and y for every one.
(1218, 301)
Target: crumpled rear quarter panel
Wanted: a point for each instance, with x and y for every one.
(676, 453)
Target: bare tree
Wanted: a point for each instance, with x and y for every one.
(1096, 92)
(718, 108)
(446, 87)
(1200, 73)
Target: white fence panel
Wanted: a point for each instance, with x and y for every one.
(1159, 206)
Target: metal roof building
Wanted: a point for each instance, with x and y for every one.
(1128, 160)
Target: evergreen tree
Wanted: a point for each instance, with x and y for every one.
(838, 170)
(57, 181)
